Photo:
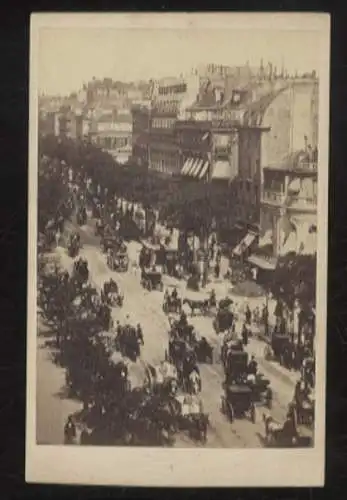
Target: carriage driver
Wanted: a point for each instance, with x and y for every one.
(252, 366)
(183, 322)
(174, 294)
(213, 299)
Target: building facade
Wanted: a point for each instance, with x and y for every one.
(170, 98)
(289, 206)
(141, 120)
(114, 135)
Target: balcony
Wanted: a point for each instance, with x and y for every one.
(273, 197)
(307, 166)
(302, 204)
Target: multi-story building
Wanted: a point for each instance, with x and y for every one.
(170, 97)
(141, 120)
(288, 208)
(113, 133)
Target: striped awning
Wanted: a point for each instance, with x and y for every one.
(244, 244)
(185, 166)
(194, 166)
(188, 165)
(197, 168)
(191, 166)
(204, 170)
(221, 170)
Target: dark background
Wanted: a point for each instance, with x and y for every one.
(14, 77)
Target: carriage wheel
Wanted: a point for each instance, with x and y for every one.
(267, 353)
(252, 413)
(281, 359)
(231, 413)
(268, 398)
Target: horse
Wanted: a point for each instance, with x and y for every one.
(285, 435)
(193, 382)
(201, 305)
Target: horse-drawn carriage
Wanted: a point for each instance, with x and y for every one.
(111, 294)
(80, 273)
(99, 227)
(191, 416)
(280, 348)
(304, 405)
(223, 321)
(184, 358)
(73, 246)
(172, 304)
(235, 365)
(200, 345)
(109, 241)
(287, 434)
(128, 343)
(238, 400)
(152, 279)
(162, 379)
(172, 263)
(117, 258)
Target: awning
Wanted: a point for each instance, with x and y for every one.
(204, 170)
(221, 170)
(189, 166)
(244, 244)
(198, 168)
(266, 264)
(185, 167)
(194, 168)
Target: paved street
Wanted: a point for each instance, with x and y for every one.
(146, 308)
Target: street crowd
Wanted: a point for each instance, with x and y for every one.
(72, 304)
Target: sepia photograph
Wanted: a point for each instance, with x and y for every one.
(177, 254)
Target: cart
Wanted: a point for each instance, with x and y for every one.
(235, 365)
(261, 390)
(237, 401)
(191, 416)
(118, 260)
(280, 345)
(151, 279)
(223, 321)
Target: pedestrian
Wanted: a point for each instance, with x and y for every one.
(248, 315)
(244, 334)
(217, 269)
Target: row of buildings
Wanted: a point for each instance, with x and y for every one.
(252, 132)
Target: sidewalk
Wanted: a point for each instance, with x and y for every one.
(289, 377)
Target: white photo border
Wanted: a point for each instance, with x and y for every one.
(180, 467)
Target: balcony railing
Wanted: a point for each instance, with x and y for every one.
(292, 202)
(273, 197)
(302, 203)
(307, 165)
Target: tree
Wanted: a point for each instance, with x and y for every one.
(294, 279)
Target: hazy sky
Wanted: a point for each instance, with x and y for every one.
(70, 56)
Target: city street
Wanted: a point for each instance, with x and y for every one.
(145, 307)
